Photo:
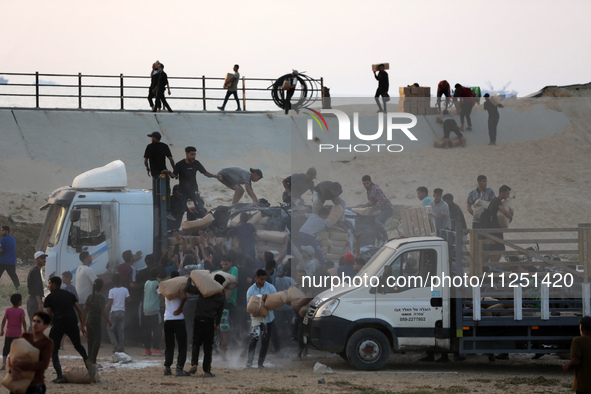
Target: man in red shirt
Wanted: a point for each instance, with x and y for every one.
(466, 103)
(443, 89)
(39, 340)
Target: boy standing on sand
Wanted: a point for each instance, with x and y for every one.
(580, 352)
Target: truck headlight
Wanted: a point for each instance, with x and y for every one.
(327, 308)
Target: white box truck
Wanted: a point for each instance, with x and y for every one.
(98, 214)
(365, 323)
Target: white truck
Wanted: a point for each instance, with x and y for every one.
(98, 214)
(365, 322)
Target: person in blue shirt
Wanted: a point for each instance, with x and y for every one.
(261, 326)
(423, 196)
(8, 255)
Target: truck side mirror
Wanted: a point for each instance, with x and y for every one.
(74, 238)
(74, 215)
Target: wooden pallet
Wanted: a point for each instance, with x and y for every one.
(417, 222)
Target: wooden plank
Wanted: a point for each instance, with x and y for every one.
(532, 253)
(527, 263)
(404, 219)
(529, 230)
(420, 221)
(543, 252)
(425, 224)
(411, 223)
(544, 241)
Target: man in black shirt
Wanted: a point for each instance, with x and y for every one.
(296, 185)
(455, 212)
(208, 315)
(155, 157)
(288, 91)
(62, 306)
(383, 87)
(35, 285)
(186, 172)
(162, 86)
(156, 154)
(153, 83)
(492, 107)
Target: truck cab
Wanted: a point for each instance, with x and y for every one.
(100, 215)
(395, 308)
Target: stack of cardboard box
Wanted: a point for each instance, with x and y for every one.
(416, 100)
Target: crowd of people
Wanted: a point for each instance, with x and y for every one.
(463, 98)
(192, 319)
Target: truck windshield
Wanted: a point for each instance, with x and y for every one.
(52, 229)
(373, 266)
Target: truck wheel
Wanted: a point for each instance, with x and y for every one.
(368, 349)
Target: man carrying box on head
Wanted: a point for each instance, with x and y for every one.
(383, 87)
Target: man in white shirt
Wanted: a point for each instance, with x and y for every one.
(118, 296)
(85, 277)
(174, 328)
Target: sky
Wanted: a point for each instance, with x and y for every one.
(532, 44)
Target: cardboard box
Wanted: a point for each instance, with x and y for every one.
(425, 91)
(455, 142)
(415, 91)
(494, 100)
(404, 91)
(374, 67)
(227, 80)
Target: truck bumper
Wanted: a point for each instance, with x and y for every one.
(328, 333)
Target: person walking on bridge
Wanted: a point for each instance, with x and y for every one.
(232, 86)
(160, 88)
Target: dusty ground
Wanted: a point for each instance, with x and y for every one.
(403, 374)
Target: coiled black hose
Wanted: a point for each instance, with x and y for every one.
(308, 88)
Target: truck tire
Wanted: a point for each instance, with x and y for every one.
(368, 349)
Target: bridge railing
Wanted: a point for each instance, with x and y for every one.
(130, 92)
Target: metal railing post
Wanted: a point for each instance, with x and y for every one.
(203, 89)
(36, 89)
(121, 85)
(243, 95)
(79, 90)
